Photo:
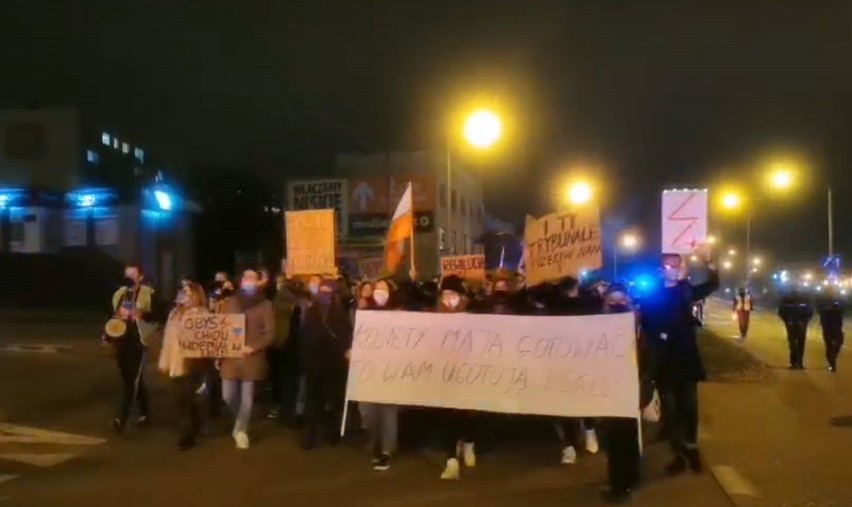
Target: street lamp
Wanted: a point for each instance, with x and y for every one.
(630, 243)
(757, 261)
(782, 177)
(579, 193)
(732, 201)
(482, 129)
(727, 265)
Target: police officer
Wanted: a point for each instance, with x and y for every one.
(831, 312)
(796, 313)
(742, 309)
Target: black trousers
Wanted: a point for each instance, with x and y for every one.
(325, 392)
(284, 373)
(568, 429)
(833, 343)
(459, 426)
(130, 357)
(623, 459)
(189, 416)
(797, 334)
(679, 402)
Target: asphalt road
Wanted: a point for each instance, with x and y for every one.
(768, 436)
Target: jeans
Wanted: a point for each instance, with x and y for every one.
(382, 422)
(239, 396)
(797, 333)
(680, 411)
(568, 430)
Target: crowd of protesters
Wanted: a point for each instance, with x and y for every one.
(298, 341)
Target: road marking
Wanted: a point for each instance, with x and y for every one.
(732, 482)
(6, 478)
(13, 433)
(36, 348)
(38, 460)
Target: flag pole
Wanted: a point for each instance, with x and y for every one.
(413, 272)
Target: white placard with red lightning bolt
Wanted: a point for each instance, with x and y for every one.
(684, 220)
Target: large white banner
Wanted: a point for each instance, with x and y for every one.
(684, 220)
(560, 366)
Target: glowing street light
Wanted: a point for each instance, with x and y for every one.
(781, 178)
(483, 128)
(711, 240)
(757, 261)
(580, 193)
(732, 252)
(727, 265)
(731, 201)
(629, 241)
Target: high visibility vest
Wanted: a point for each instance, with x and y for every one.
(743, 303)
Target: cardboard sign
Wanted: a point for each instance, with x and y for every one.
(562, 244)
(310, 242)
(468, 267)
(212, 335)
(684, 220)
(320, 194)
(558, 366)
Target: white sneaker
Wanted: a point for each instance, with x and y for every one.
(453, 470)
(569, 455)
(469, 455)
(202, 390)
(592, 442)
(242, 440)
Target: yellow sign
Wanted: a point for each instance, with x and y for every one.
(562, 244)
(310, 242)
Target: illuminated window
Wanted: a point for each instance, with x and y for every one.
(125, 147)
(92, 156)
(139, 154)
(105, 139)
(115, 143)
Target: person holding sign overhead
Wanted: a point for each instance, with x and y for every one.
(676, 360)
(239, 375)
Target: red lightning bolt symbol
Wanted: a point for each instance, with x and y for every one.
(675, 218)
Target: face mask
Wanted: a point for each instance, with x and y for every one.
(129, 282)
(501, 294)
(381, 297)
(181, 299)
(249, 288)
(314, 289)
(325, 297)
(218, 284)
(451, 302)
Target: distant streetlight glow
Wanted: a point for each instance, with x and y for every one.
(630, 241)
(781, 179)
(727, 265)
(731, 201)
(757, 261)
(732, 252)
(711, 240)
(483, 128)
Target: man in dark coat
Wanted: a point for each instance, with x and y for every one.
(676, 365)
(327, 339)
(796, 313)
(831, 312)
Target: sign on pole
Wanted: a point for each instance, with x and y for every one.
(321, 194)
(684, 220)
(468, 267)
(557, 366)
(562, 244)
(212, 335)
(310, 242)
(373, 200)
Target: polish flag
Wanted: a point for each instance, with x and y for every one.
(401, 228)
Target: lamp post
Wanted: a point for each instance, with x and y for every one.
(482, 129)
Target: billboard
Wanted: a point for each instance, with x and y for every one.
(373, 199)
(320, 194)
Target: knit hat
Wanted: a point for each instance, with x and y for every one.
(453, 283)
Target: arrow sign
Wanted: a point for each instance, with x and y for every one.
(363, 194)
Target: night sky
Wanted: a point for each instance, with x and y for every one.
(654, 93)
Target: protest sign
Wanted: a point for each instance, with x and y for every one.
(212, 334)
(467, 267)
(321, 194)
(562, 244)
(558, 366)
(684, 220)
(310, 242)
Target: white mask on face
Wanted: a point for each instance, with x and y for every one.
(314, 289)
(451, 301)
(381, 297)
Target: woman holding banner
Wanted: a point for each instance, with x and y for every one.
(382, 420)
(239, 375)
(186, 374)
(460, 426)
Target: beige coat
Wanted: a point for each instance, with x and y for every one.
(260, 331)
(171, 360)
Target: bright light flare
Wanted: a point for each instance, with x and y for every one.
(580, 193)
(732, 201)
(483, 128)
(630, 241)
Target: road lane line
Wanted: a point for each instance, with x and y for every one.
(28, 435)
(6, 478)
(732, 482)
(38, 460)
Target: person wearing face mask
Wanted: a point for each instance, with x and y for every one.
(185, 374)
(278, 354)
(240, 375)
(676, 365)
(326, 343)
(622, 434)
(134, 307)
(381, 420)
(459, 427)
